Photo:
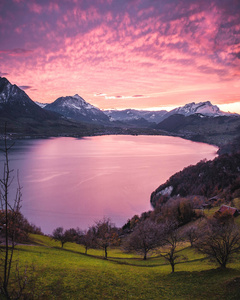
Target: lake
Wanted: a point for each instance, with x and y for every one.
(74, 182)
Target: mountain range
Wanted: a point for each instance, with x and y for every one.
(72, 115)
(201, 108)
(25, 118)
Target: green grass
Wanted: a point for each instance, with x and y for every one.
(236, 203)
(70, 274)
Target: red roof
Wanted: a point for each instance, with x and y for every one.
(231, 210)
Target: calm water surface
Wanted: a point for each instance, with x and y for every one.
(74, 182)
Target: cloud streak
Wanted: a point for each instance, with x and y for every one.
(25, 87)
(139, 48)
(119, 96)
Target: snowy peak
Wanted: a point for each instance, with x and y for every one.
(203, 108)
(42, 105)
(133, 114)
(10, 93)
(15, 103)
(5, 89)
(75, 102)
(77, 97)
(75, 107)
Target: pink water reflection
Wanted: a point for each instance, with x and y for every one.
(74, 182)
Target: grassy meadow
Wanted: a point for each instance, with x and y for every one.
(70, 274)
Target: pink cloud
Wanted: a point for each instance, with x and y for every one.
(167, 53)
(53, 6)
(34, 7)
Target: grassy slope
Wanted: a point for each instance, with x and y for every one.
(70, 274)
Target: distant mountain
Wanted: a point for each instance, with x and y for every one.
(213, 130)
(25, 118)
(203, 108)
(199, 124)
(65, 116)
(15, 103)
(42, 105)
(129, 115)
(76, 108)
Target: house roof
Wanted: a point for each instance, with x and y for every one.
(231, 210)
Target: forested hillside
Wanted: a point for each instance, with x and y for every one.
(219, 177)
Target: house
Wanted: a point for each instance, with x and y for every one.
(214, 199)
(206, 206)
(231, 210)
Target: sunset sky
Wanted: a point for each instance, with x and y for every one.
(123, 53)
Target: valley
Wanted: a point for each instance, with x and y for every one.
(73, 116)
(188, 200)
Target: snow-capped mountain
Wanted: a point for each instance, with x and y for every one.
(201, 122)
(203, 108)
(10, 94)
(75, 107)
(42, 105)
(133, 114)
(15, 103)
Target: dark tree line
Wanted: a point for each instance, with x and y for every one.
(207, 178)
(18, 226)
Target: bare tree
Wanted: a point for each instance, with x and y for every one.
(10, 209)
(192, 234)
(73, 235)
(88, 239)
(145, 237)
(105, 234)
(61, 235)
(171, 238)
(220, 239)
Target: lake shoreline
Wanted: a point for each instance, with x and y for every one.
(74, 182)
(217, 140)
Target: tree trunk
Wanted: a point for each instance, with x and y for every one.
(173, 267)
(145, 255)
(105, 248)
(223, 265)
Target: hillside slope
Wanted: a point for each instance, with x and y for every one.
(219, 177)
(213, 130)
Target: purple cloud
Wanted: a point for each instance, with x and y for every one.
(237, 54)
(25, 87)
(3, 74)
(138, 96)
(16, 52)
(127, 47)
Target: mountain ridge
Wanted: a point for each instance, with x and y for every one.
(201, 108)
(24, 118)
(204, 108)
(73, 116)
(15, 103)
(75, 107)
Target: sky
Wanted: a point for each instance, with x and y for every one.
(117, 54)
